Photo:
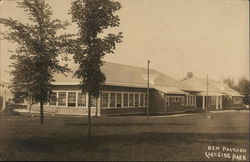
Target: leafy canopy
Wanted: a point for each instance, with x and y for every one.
(92, 18)
(35, 58)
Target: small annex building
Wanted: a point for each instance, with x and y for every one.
(124, 92)
(214, 95)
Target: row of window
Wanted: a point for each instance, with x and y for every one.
(70, 99)
(190, 100)
(237, 100)
(123, 99)
(109, 99)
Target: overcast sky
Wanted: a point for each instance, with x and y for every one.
(177, 36)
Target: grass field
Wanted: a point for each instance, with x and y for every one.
(122, 138)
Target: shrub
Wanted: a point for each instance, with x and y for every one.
(10, 109)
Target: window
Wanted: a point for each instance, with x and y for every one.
(136, 100)
(118, 100)
(81, 99)
(141, 100)
(131, 100)
(190, 100)
(237, 100)
(92, 101)
(62, 98)
(112, 99)
(52, 98)
(182, 101)
(72, 99)
(105, 100)
(167, 101)
(125, 100)
(146, 100)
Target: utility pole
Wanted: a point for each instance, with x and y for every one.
(148, 92)
(0, 48)
(207, 95)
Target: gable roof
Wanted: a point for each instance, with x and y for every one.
(123, 75)
(170, 90)
(214, 87)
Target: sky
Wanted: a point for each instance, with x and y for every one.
(206, 37)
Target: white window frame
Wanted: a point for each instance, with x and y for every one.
(143, 100)
(48, 103)
(130, 106)
(122, 99)
(127, 100)
(68, 98)
(110, 100)
(77, 95)
(102, 99)
(190, 100)
(65, 96)
(167, 100)
(138, 103)
(116, 94)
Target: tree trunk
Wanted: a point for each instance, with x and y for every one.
(29, 105)
(89, 116)
(4, 101)
(96, 106)
(41, 112)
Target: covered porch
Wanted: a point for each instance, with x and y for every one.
(211, 101)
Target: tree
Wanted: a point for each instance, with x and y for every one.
(230, 82)
(35, 59)
(244, 88)
(92, 18)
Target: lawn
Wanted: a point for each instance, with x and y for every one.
(122, 137)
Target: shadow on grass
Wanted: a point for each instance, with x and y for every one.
(84, 144)
(122, 124)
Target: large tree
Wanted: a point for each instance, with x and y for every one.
(35, 59)
(230, 82)
(244, 88)
(92, 18)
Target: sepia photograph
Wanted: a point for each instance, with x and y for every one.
(124, 80)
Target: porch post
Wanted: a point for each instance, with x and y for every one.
(195, 102)
(98, 105)
(203, 102)
(217, 103)
(76, 99)
(221, 102)
(67, 99)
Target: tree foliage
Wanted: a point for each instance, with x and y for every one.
(243, 87)
(90, 46)
(230, 82)
(92, 18)
(35, 58)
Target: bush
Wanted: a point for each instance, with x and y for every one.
(10, 109)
